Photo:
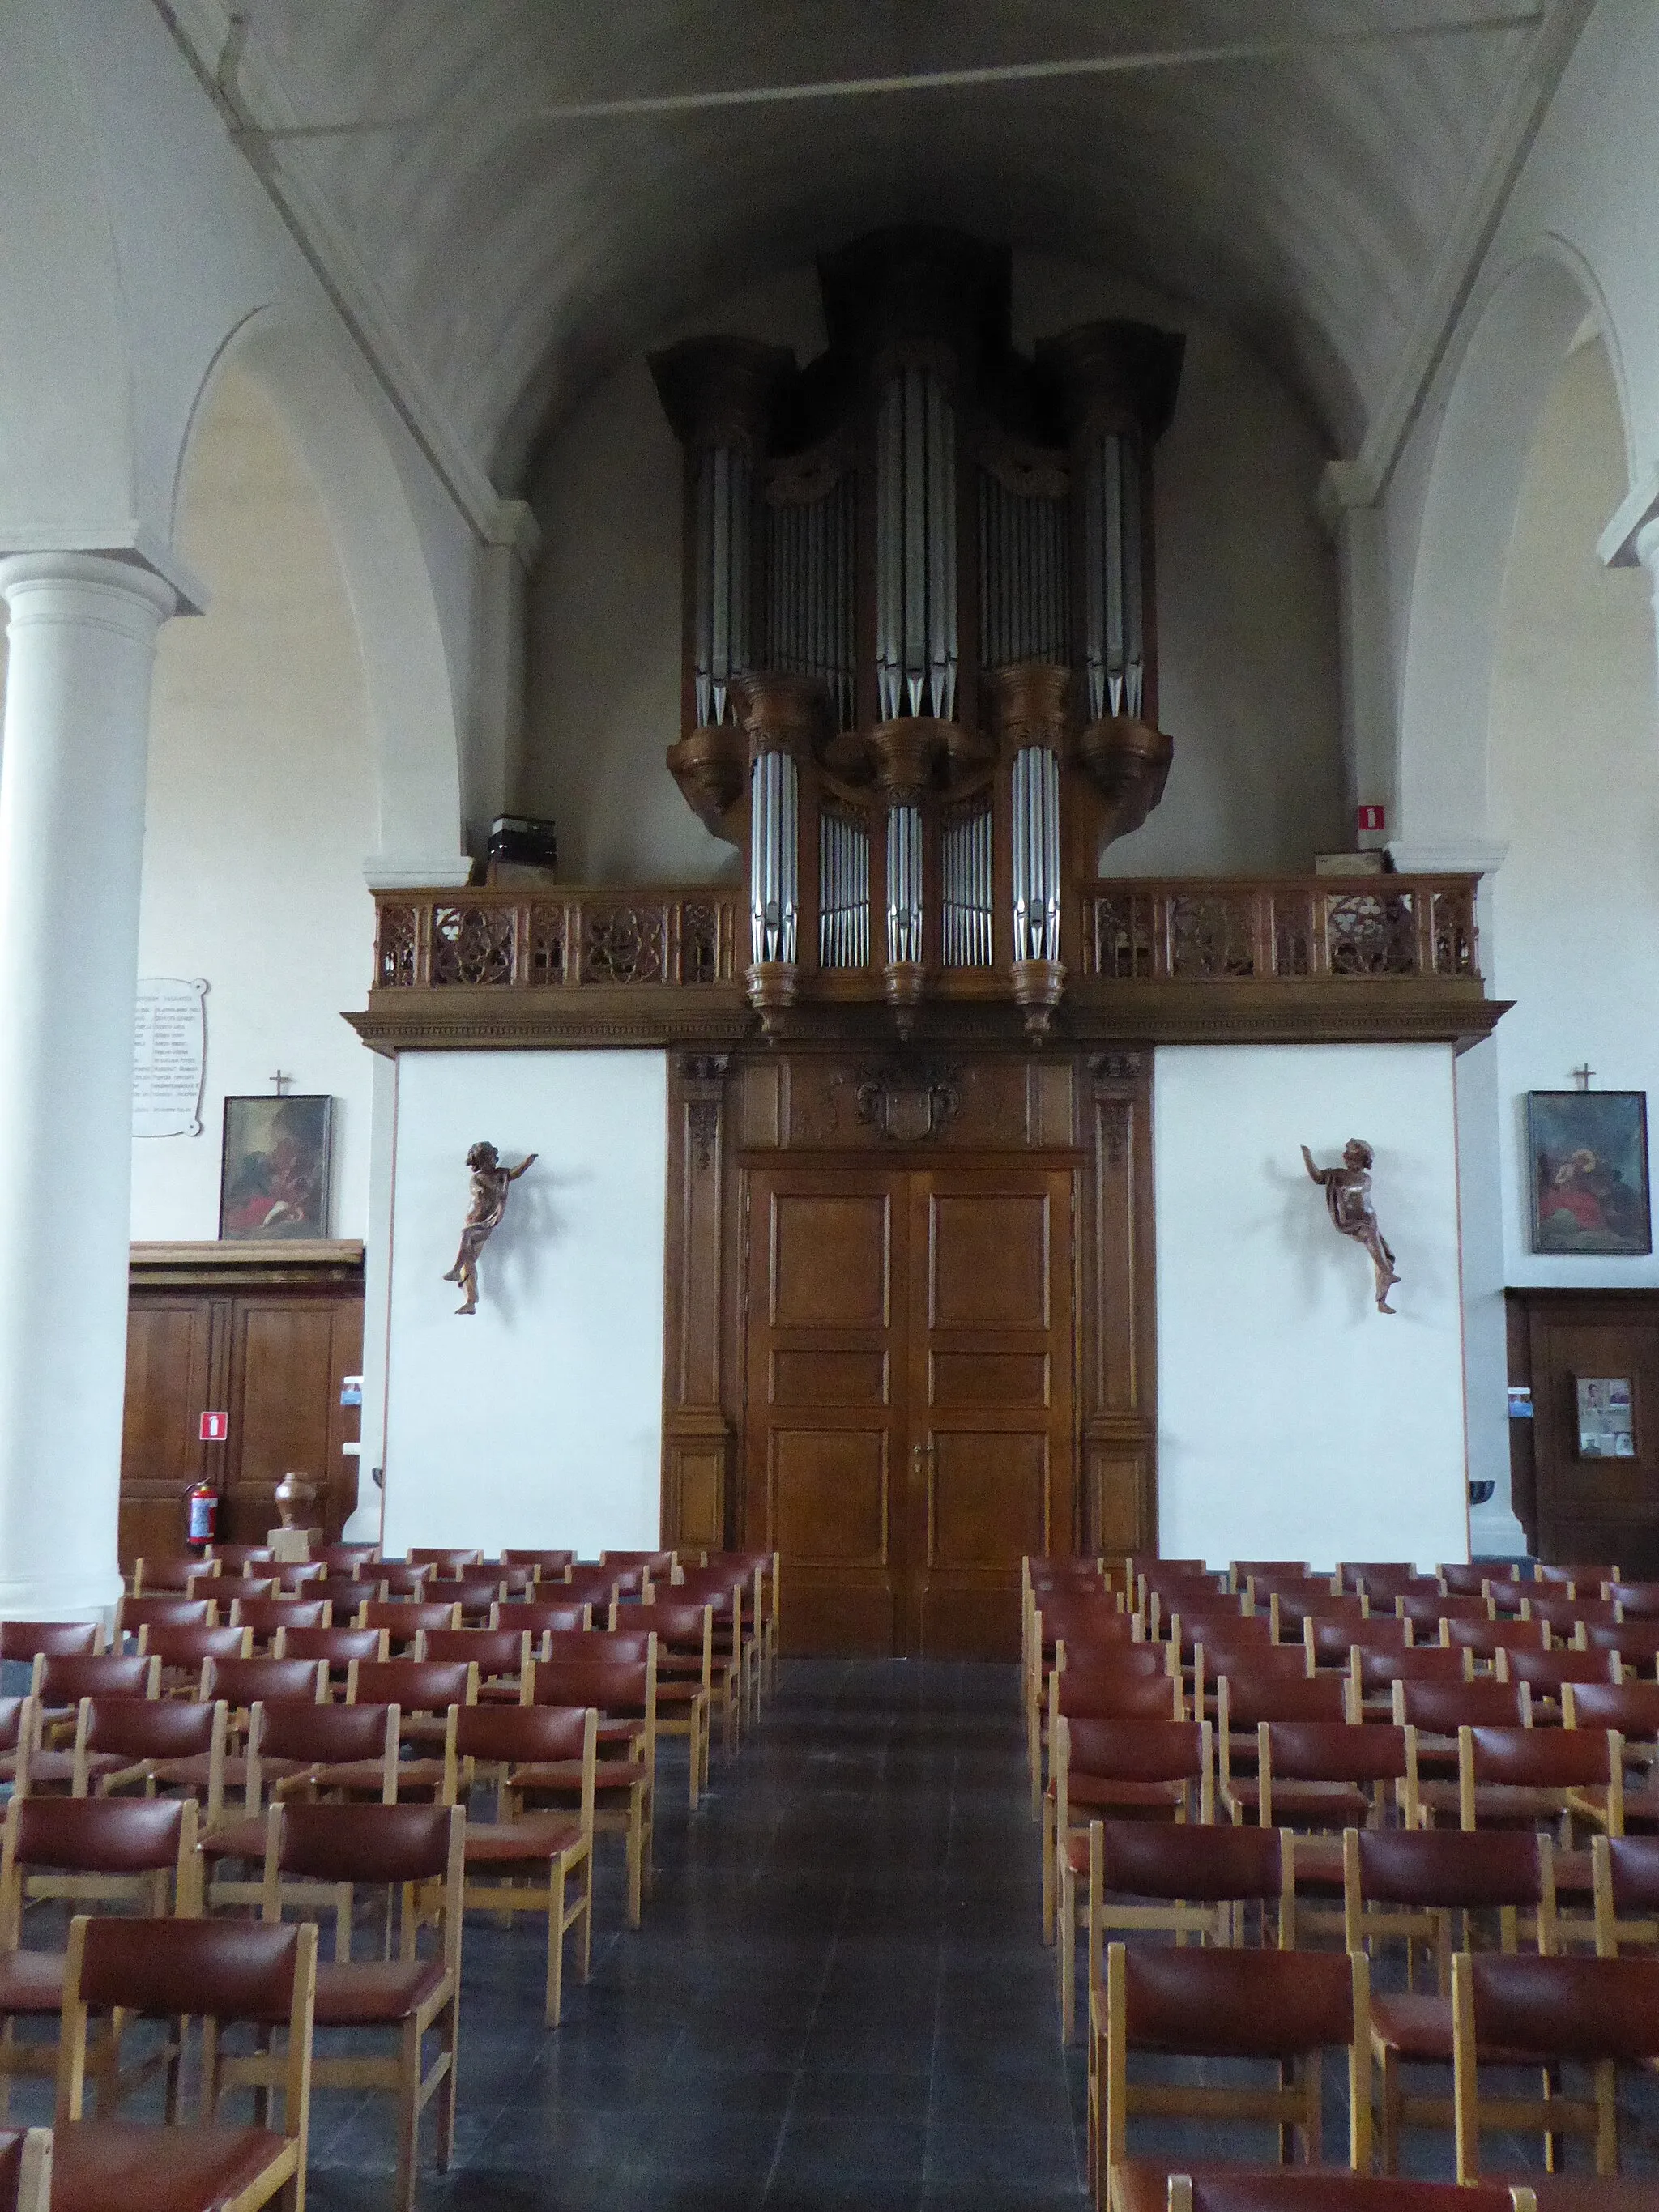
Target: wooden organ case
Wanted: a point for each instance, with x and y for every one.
(920, 663)
(912, 1259)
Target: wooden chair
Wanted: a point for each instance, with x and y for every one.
(244, 1683)
(1190, 1879)
(20, 1742)
(501, 1656)
(242, 1558)
(291, 1750)
(415, 1854)
(178, 1573)
(1626, 1884)
(1636, 1641)
(1474, 1578)
(1532, 1777)
(1404, 1885)
(550, 1566)
(115, 1852)
(1589, 1581)
(1214, 1656)
(1286, 2006)
(336, 1647)
(1636, 1600)
(300, 1578)
(1566, 1617)
(541, 1615)
(1376, 1670)
(60, 1685)
(225, 1976)
(391, 1578)
(343, 1592)
(70, 1768)
(1485, 1639)
(1073, 1621)
(474, 1596)
(1547, 1673)
(1244, 1699)
(25, 1640)
(1426, 1613)
(738, 1651)
(427, 1693)
(402, 1620)
(183, 1652)
(1096, 1679)
(766, 1569)
(1436, 1711)
(1334, 1641)
(162, 1748)
(624, 1695)
(599, 1587)
(1597, 2012)
(1632, 1708)
(133, 1613)
(348, 1558)
(268, 1616)
(1241, 1572)
(524, 1861)
(685, 1680)
(1139, 1768)
(1324, 1774)
(444, 1562)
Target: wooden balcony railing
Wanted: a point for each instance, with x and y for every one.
(1180, 930)
(1323, 928)
(558, 939)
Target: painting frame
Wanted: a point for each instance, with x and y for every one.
(276, 1169)
(1587, 1174)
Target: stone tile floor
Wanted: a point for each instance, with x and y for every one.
(839, 1996)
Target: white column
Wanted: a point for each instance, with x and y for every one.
(72, 760)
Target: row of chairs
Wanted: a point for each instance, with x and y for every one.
(397, 2012)
(1319, 1759)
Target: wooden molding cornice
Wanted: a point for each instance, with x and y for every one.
(241, 1263)
(716, 1017)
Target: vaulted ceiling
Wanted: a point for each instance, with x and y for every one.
(510, 196)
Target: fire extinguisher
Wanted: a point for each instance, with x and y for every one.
(204, 1504)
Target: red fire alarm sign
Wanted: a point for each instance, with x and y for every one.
(1372, 818)
(215, 1428)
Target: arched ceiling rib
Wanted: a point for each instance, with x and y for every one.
(1306, 194)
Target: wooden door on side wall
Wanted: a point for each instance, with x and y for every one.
(910, 1430)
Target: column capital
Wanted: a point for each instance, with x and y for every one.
(29, 580)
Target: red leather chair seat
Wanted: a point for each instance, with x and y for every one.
(1344, 1804)
(1101, 1792)
(538, 1836)
(1418, 2025)
(32, 1982)
(610, 1775)
(237, 1839)
(96, 2163)
(367, 1776)
(372, 1993)
(1144, 2183)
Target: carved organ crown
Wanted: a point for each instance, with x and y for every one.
(920, 681)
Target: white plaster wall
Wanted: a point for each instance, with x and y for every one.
(1246, 605)
(260, 807)
(1575, 770)
(1295, 1421)
(539, 1420)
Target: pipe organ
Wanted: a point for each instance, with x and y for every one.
(920, 663)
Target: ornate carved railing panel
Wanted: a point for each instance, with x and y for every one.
(482, 939)
(1374, 929)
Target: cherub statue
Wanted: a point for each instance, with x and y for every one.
(1348, 1196)
(489, 1187)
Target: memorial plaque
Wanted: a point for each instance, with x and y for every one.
(169, 1045)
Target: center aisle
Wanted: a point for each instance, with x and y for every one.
(838, 1996)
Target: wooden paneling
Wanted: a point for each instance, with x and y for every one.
(264, 1334)
(1577, 1508)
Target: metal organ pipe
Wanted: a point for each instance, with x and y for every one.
(916, 609)
(1114, 639)
(905, 883)
(1035, 854)
(725, 490)
(774, 864)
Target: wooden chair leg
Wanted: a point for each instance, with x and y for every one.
(556, 1873)
(636, 1866)
(1049, 1857)
(1065, 1944)
(409, 2115)
(450, 2029)
(1388, 2132)
(586, 1965)
(694, 1756)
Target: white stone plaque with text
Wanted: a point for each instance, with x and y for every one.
(169, 1045)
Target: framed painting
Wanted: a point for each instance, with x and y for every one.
(1587, 1155)
(274, 1174)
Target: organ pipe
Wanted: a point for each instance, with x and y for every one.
(916, 644)
(773, 859)
(966, 862)
(843, 891)
(904, 884)
(1035, 854)
(1115, 652)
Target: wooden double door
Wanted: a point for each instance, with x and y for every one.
(909, 1429)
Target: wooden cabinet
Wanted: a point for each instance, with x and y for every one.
(1575, 1505)
(264, 1334)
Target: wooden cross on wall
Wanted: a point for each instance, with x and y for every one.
(281, 1080)
(1582, 1076)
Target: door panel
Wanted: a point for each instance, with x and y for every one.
(909, 1416)
(822, 1435)
(990, 1399)
(287, 1358)
(168, 1367)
